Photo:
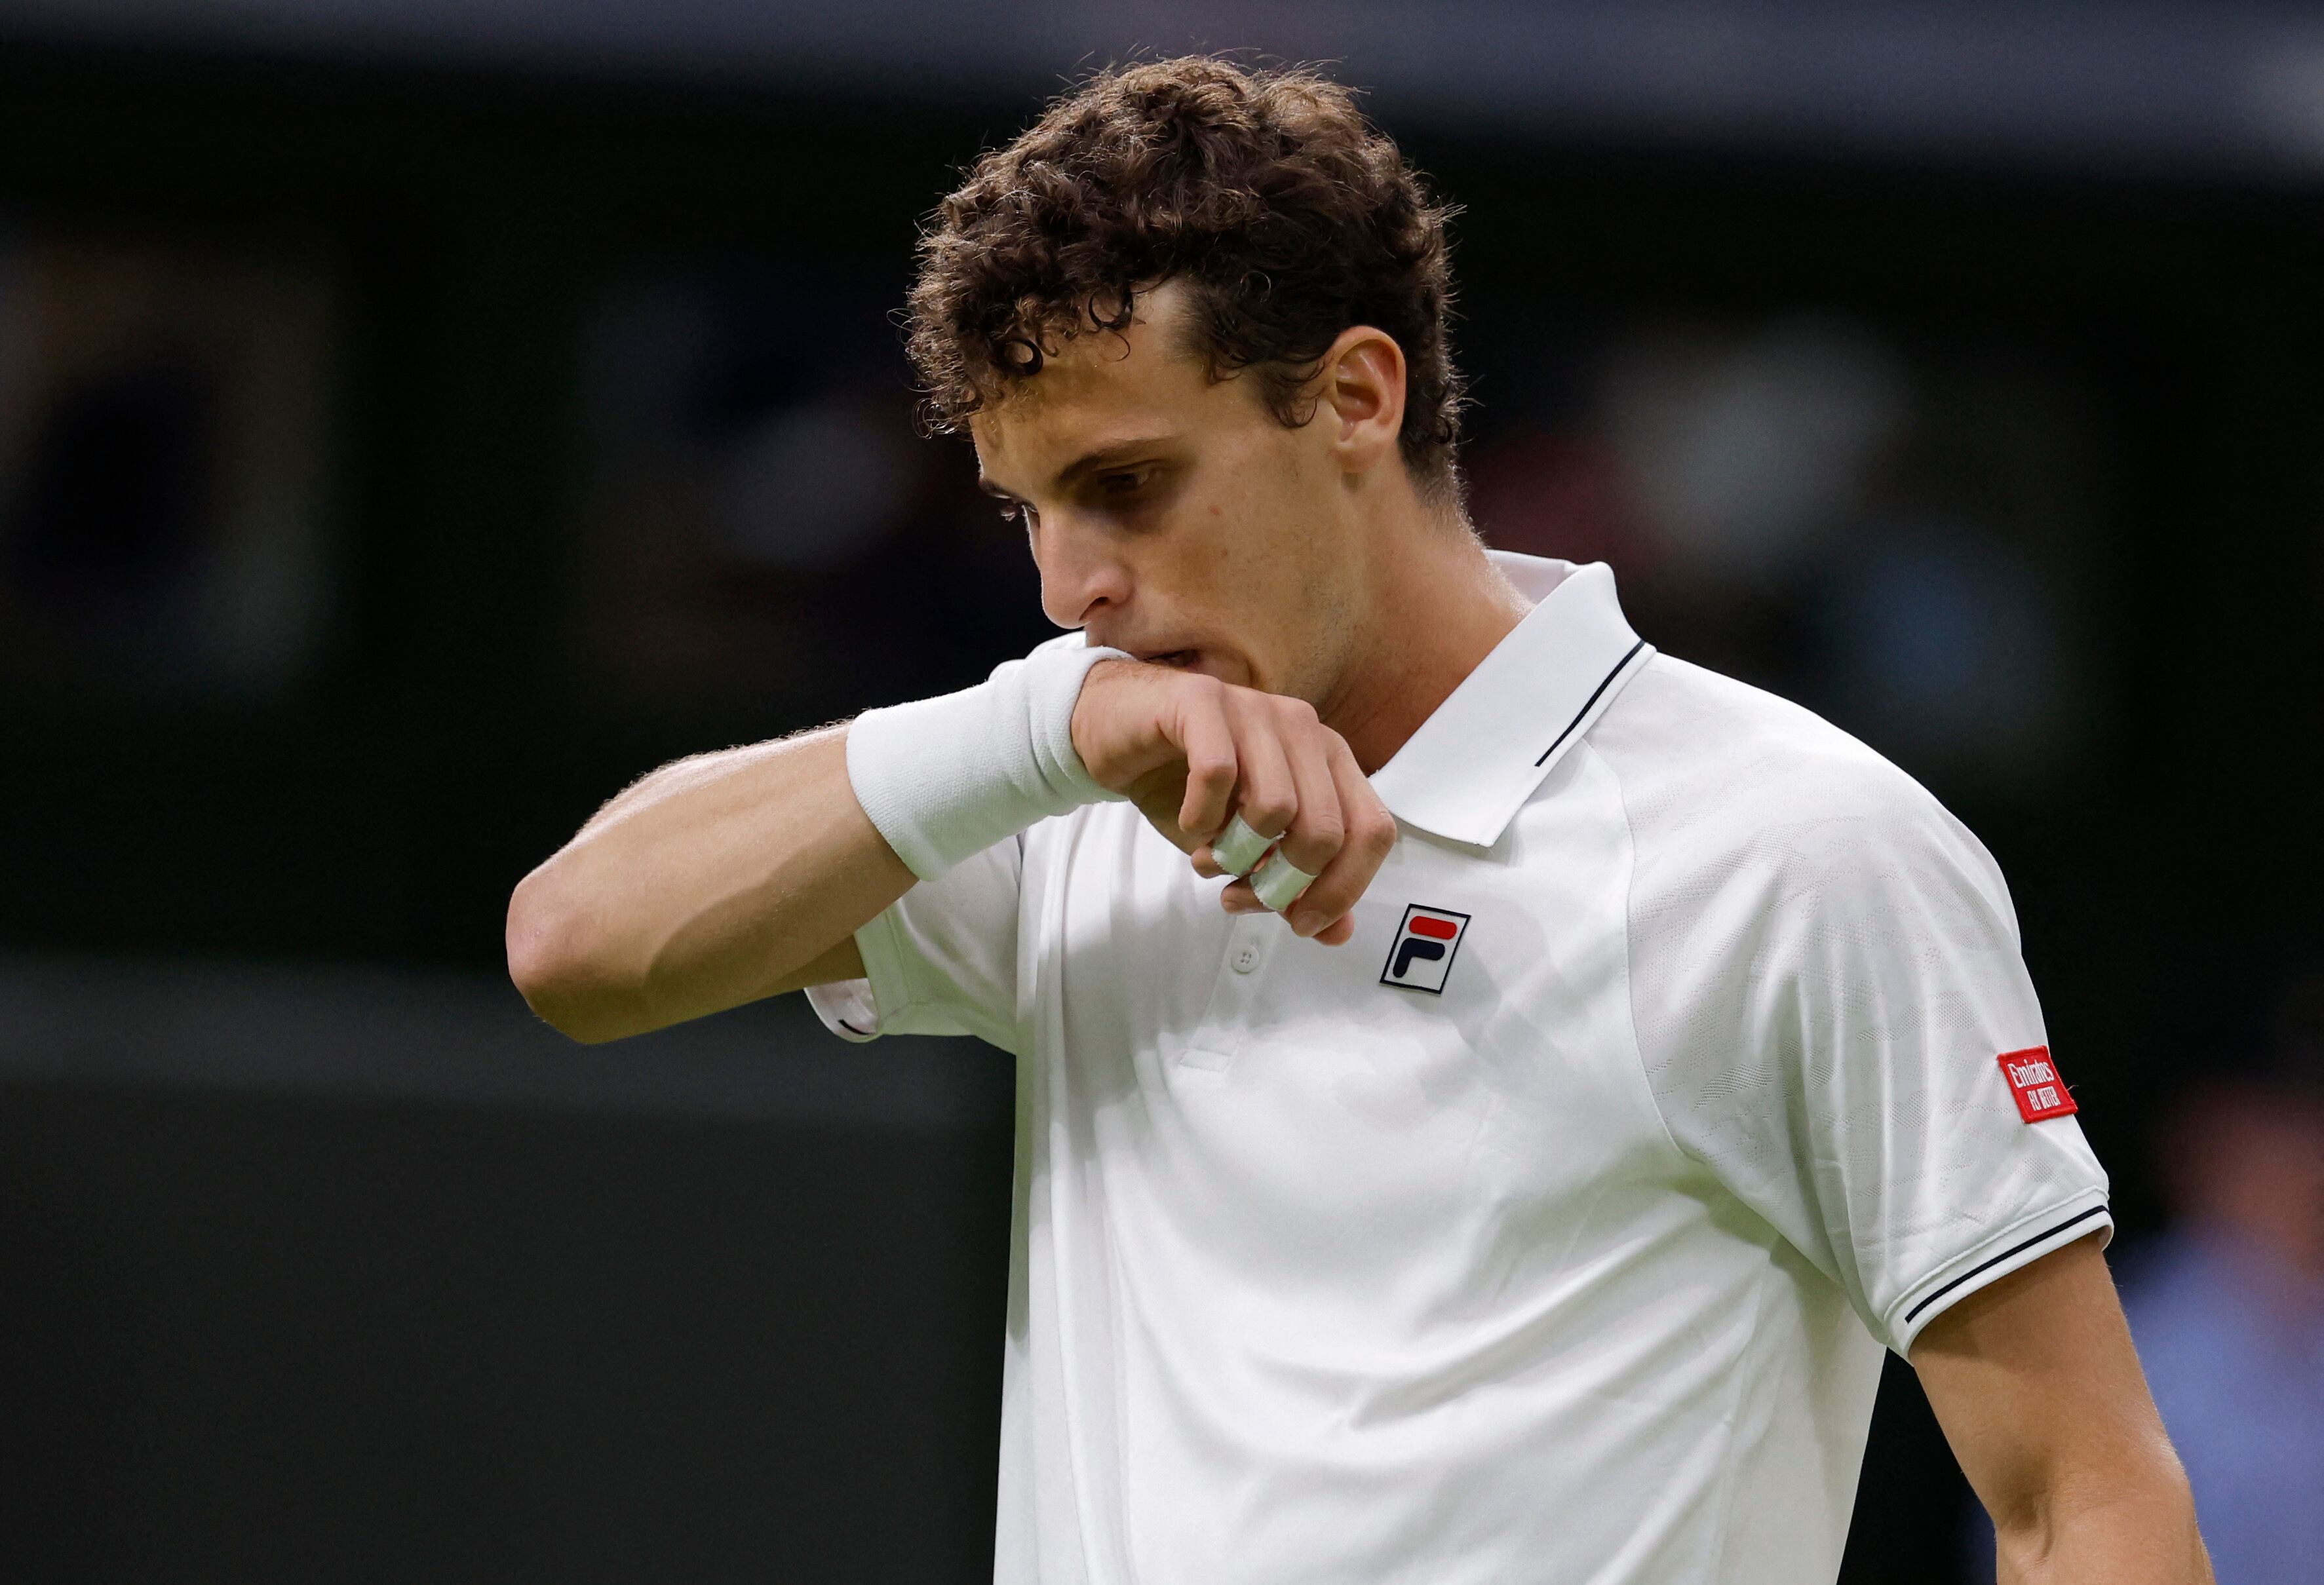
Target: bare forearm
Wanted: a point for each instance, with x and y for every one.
(714, 882)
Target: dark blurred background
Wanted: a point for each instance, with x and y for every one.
(418, 419)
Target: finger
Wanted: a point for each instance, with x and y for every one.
(1265, 795)
(1239, 898)
(1369, 834)
(1207, 739)
(1313, 837)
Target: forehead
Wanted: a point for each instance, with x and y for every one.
(1098, 386)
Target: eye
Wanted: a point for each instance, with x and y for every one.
(1125, 482)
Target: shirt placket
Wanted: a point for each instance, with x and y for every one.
(1252, 941)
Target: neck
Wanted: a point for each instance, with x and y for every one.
(1432, 609)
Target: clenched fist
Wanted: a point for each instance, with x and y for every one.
(1192, 753)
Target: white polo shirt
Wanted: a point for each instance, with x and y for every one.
(1549, 1231)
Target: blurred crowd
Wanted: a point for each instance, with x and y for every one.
(2228, 1304)
(165, 449)
(1894, 535)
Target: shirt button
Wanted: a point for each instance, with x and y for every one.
(1246, 958)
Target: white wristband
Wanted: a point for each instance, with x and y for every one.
(944, 778)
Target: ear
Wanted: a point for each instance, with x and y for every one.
(1363, 396)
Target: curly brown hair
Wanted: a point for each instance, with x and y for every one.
(1267, 191)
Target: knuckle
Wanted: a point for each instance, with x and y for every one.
(1235, 700)
(1196, 696)
(1267, 811)
(1307, 858)
(1322, 836)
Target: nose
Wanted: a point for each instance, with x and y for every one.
(1081, 575)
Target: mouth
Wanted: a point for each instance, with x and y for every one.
(1219, 665)
(1184, 657)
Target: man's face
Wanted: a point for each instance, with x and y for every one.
(1173, 516)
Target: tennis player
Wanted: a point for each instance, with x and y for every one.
(1488, 1091)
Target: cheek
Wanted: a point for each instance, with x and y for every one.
(1224, 565)
(1237, 561)
(1259, 528)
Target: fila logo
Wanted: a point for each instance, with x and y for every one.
(2034, 1084)
(1422, 956)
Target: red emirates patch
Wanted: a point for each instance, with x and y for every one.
(2034, 1081)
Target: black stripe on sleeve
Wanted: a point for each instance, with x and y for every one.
(1928, 1299)
(1607, 682)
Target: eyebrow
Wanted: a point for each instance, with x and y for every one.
(1088, 463)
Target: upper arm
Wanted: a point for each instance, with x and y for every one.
(2038, 1387)
(713, 883)
(844, 962)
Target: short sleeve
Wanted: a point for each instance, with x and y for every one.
(942, 960)
(1825, 975)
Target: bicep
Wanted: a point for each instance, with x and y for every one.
(2038, 1387)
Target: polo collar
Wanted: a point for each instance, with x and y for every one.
(1473, 764)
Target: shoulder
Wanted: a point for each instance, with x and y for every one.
(1680, 734)
(1719, 778)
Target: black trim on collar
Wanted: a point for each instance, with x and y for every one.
(1605, 683)
(1928, 1299)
